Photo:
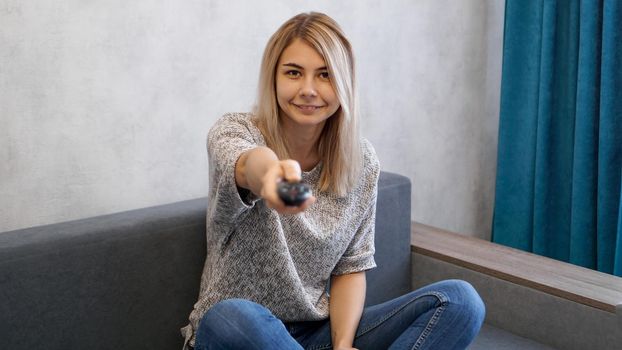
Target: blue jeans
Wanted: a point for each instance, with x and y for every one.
(445, 315)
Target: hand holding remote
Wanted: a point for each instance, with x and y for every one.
(281, 188)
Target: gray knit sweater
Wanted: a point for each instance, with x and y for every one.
(282, 262)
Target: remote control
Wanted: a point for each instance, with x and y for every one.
(293, 193)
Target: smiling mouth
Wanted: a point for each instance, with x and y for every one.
(307, 108)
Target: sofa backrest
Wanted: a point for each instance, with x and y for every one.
(129, 280)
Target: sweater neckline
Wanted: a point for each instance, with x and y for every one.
(312, 175)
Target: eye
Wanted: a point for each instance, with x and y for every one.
(325, 76)
(292, 73)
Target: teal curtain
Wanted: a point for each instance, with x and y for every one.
(559, 170)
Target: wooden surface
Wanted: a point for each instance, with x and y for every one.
(585, 286)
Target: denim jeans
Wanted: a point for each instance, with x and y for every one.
(445, 315)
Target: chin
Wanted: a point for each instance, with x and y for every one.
(309, 120)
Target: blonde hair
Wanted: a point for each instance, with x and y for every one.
(339, 145)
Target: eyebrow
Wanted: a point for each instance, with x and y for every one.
(300, 67)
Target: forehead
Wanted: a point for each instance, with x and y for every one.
(303, 54)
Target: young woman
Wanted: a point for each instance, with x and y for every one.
(268, 267)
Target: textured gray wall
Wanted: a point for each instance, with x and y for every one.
(104, 105)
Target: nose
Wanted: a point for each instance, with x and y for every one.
(308, 88)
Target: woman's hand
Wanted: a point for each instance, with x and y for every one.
(283, 170)
(260, 170)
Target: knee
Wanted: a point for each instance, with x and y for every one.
(465, 298)
(238, 310)
(238, 324)
(228, 315)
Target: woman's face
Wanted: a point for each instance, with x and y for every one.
(303, 88)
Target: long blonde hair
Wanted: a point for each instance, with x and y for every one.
(339, 145)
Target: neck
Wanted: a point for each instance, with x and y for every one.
(303, 143)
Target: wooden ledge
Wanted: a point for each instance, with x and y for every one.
(575, 283)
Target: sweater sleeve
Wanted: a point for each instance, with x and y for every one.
(226, 141)
(359, 256)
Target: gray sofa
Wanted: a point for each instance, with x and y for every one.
(129, 280)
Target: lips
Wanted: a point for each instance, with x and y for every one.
(307, 108)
